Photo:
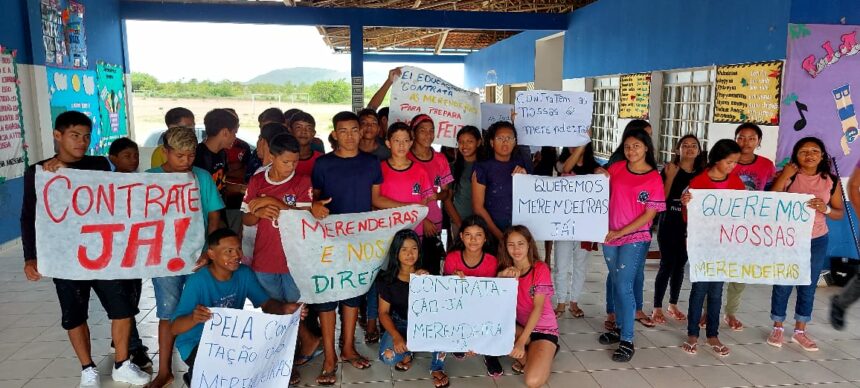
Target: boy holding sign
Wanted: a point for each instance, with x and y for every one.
(72, 134)
(224, 282)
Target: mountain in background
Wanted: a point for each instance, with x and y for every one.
(309, 75)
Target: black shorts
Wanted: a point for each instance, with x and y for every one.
(117, 298)
(534, 336)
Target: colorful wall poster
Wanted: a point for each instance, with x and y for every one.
(113, 117)
(748, 93)
(635, 93)
(75, 90)
(822, 70)
(63, 33)
(13, 151)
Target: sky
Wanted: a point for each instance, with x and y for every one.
(238, 52)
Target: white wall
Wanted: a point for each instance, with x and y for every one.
(549, 62)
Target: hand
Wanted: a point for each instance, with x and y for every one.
(818, 204)
(201, 314)
(518, 352)
(686, 198)
(32, 271)
(510, 272)
(262, 201)
(601, 170)
(519, 170)
(671, 169)
(612, 235)
(471, 354)
(429, 228)
(422, 272)
(513, 115)
(459, 273)
(790, 170)
(268, 212)
(319, 210)
(394, 74)
(400, 345)
(53, 164)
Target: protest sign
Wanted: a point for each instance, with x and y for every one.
(103, 225)
(748, 93)
(453, 314)
(13, 152)
(246, 349)
(548, 118)
(749, 237)
(338, 257)
(562, 208)
(491, 113)
(418, 91)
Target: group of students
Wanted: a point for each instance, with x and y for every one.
(377, 167)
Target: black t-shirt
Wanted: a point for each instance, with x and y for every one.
(215, 163)
(396, 294)
(28, 208)
(672, 217)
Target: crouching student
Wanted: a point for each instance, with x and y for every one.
(224, 282)
(537, 328)
(404, 259)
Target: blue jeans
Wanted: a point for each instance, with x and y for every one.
(372, 302)
(713, 291)
(639, 288)
(387, 343)
(625, 262)
(167, 292)
(279, 286)
(805, 294)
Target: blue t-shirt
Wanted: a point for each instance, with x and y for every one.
(203, 289)
(347, 181)
(498, 195)
(210, 198)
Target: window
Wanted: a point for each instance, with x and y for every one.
(686, 108)
(604, 123)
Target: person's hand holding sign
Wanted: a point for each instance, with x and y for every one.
(201, 314)
(429, 228)
(53, 164)
(519, 170)
(31, 270)
(613, 235)
(319, 210)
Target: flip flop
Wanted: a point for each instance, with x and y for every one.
(295, 377)
(737, 326)
(720, 350)
(676, 315)
(689, 348)
(371, 337)
(404, 365)
(609, 325)
(327, 378)
(646, 321)
(559, 313)
(518, 368)
(576, 313)
(437, 381)
(358, 362)
(304, 359)
(658, 319)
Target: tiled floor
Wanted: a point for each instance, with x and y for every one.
(35, 352)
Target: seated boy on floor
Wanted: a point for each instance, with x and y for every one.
(224, 282)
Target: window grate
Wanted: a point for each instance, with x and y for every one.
(686, 108)
(604, 123)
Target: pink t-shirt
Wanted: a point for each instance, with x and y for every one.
(486, 268)
(537, 281)
(408, 186)
(757, 174)
(306, 166)
(630, 195)
(819, 187)
(439, 173)
(268, 252)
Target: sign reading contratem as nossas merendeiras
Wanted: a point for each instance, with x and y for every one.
(550, 118)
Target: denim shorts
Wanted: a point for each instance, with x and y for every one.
(168, 290)
(279, 286)
(332, 306)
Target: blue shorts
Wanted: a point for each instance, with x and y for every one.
(279, 286)
(332, 306)
(168, 290)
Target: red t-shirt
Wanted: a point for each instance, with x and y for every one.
(410, 185)
(439, 173)
(306, 166)
(630, 194)
(757, 174)
(486, 268)
(268, 252)
(703, 181)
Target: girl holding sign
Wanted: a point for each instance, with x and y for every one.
(635, 197)
(807, 173)
(404, 259)
(687, 162)
(459, 204)
(537, 328)
(718, 175)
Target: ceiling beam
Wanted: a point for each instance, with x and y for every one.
(441, 42)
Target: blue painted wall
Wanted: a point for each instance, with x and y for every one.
(512, 60)
(14, 30)
(825, 12)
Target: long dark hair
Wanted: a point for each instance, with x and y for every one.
(459, 165)
(389, 275)
(824, 167)
(641, 135)
(473, 220)
(701, 160)
(721, 150)
(505, 260)
(633, 125)
(588, 162)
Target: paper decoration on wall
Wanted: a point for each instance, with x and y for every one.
(75, 90)
(13, 151)
(63, 33)
(112, 107)
(748, 93)
(822, 72)
(635, 93)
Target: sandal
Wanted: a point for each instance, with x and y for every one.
(576, 312)
(720, 350)
(327, 378)
(609, 325)
(358, 362)
(624, 353)
(734, 324)
(371, 336)
(304, 359)
(440, 381)
(559, 312)
(645, 321)
(404, 365)
(689, 348)
(675, 314)
(518, 368)
(658, 318)
(609, 338)
(295, 377)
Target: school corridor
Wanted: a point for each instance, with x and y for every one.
(35, 352)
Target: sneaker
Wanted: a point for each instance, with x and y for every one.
(129, 373)
(805, 342)
(610, 337)
(90, 378)
(775, 337)
(141, 359)
(837, 315)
